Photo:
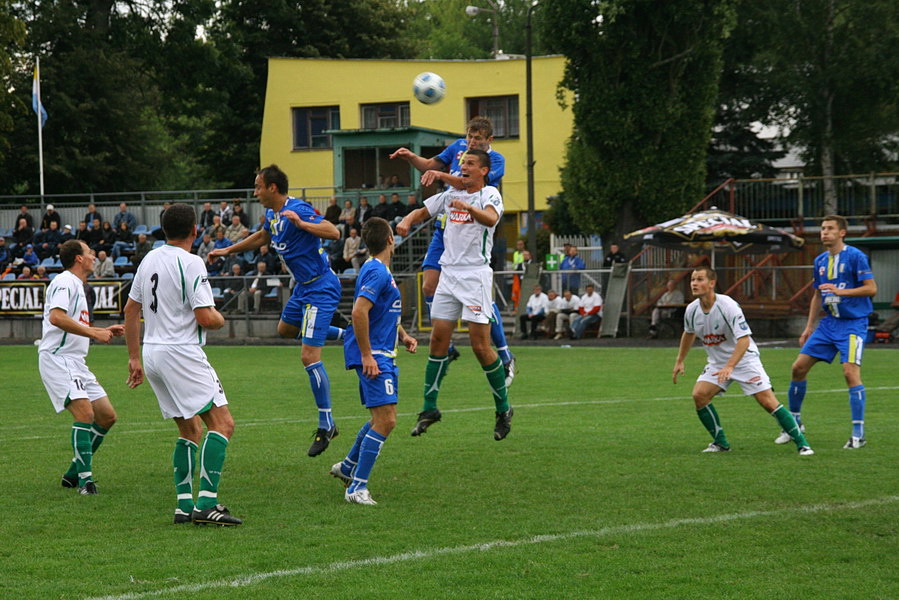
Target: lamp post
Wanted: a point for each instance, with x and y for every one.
(529, 124)
(473, 11)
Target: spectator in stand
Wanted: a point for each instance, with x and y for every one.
(141, 249)
(535, 313)
(104, 268)
(260, 285)
(666, 307)
(363, 212)
(553, 306)
(412, 204)
(398, 210)
(108, 236)
(614, 256)
(124, 240)
(589, 313)
(51, 216)
(22, 235)
(382, 209)
(205, 247)
(239, 212)
(205, 220)
(236, 231)
(518, 255)
(41, 272)
(271, 260)
(67, 234)
(30, 256)
(225, 212)
(220, 240)
(83, 233)
(347, 212)
(332, 213)
(92, 213)
(95, 236)
(5, 254)
(124, 215)
(350, 224)
(49, 241)
(24, 214)
(165, 207)
(26, 273)
(216, 226)
(572, 281)
(235, 287)
(353, 252)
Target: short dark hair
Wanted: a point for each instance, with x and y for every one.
(178, 221)
(273, 174)
(709, 272)
(483, 157)
(69, 250)
(481, 125)
(841, 222)
(376, 233)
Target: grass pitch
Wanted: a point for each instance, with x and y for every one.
(600, 491)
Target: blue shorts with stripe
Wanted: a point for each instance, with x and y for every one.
(382, 389)
(846, 336)
(435, 251)
(312, 306)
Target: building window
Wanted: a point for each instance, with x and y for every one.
(382, 116)
(310, 124)
(502, 112)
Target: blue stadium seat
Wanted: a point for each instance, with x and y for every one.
(48, 262)
(141, 229)
(122, 261)
(128, 275)
(158, 243)
(57, 264)
(50, 276)
(9, 277)
(217, 294)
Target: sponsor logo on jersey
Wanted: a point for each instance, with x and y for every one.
(821, 271)
(757, 380)
(743, 325)
(713, 339)
(84, 318)
(460, 216)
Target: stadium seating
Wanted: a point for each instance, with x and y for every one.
(128, 275)
(158, 243)
(141, 229)
(48, 262)
(9, 277)
(122, 261)
(348, 273)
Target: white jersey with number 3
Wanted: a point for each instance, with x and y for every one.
(719, 329)
(170, 283)
(466, 242)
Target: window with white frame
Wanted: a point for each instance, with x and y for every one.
(383, 116)
(502, 112)
(310, 124)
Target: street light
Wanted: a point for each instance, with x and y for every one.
(529, 123)
(473, 11)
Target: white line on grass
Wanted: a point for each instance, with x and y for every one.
(253, 579)
(163, 426)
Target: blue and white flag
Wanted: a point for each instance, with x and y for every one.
(36, 97)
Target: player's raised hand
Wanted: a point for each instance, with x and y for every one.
(430, 176)
(403, 227)
(293, 218)
(117, 330)
(135, 373)
(403, 153)
(216, 253)
(678, 370)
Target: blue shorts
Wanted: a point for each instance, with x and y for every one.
(312, 306)
(382, 389)
(435, 251)
(846, 336)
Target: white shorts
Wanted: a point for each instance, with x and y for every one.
(68, 378)
(464, 293)
(182, 379)
(749, 373)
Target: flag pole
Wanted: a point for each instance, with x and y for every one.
(40, 124)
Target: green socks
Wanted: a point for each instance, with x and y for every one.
(184, 460)
(212, 458)
(83, 452)
(788, 423)
(709, 417)
(97, 435)
(496, 376)
(434, 373)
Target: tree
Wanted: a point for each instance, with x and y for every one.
(12, 36)
(645, 77)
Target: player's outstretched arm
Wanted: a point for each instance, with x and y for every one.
(407, 340)
(325, 230)
(132, 340)
(420, 163)
(61, 319)
(412, 219)
(208, 317)
(252, 242)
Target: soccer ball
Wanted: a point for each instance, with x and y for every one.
(428, 88)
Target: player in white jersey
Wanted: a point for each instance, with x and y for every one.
(466, 285)
(63, 348)
(732, 356)
(172, 291)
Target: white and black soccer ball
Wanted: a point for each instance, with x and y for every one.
(428, 87)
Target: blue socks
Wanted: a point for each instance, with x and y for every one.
(335, 333)
(368, 454)
(498, 336)
(797, 395)
(857, 407)
(321, 391)
(352, 458)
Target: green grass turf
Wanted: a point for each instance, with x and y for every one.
(600, 491)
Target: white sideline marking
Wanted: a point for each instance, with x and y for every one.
(164, 426)
(248, 580)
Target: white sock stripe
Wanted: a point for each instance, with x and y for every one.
(221, 435)
(325, 410)
(357, 480)
(97, 433)
(185, 496)
(854, 422)
(85, 474)
(190, 442)
(207, 494)
(81, 428)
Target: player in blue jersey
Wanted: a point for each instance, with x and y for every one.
(370, 349)
(479, 136)
(296, 231)
(846, 285)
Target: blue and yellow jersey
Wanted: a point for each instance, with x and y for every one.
(846, 269)
(376, 283)
(302, 251)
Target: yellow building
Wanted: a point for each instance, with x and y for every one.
(331, 123)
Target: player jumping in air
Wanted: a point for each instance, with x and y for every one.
(732, 356)
(370, 349)
(479, 136)
(66, 338)
(466, 284)
(846, 285)
(296, 231)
